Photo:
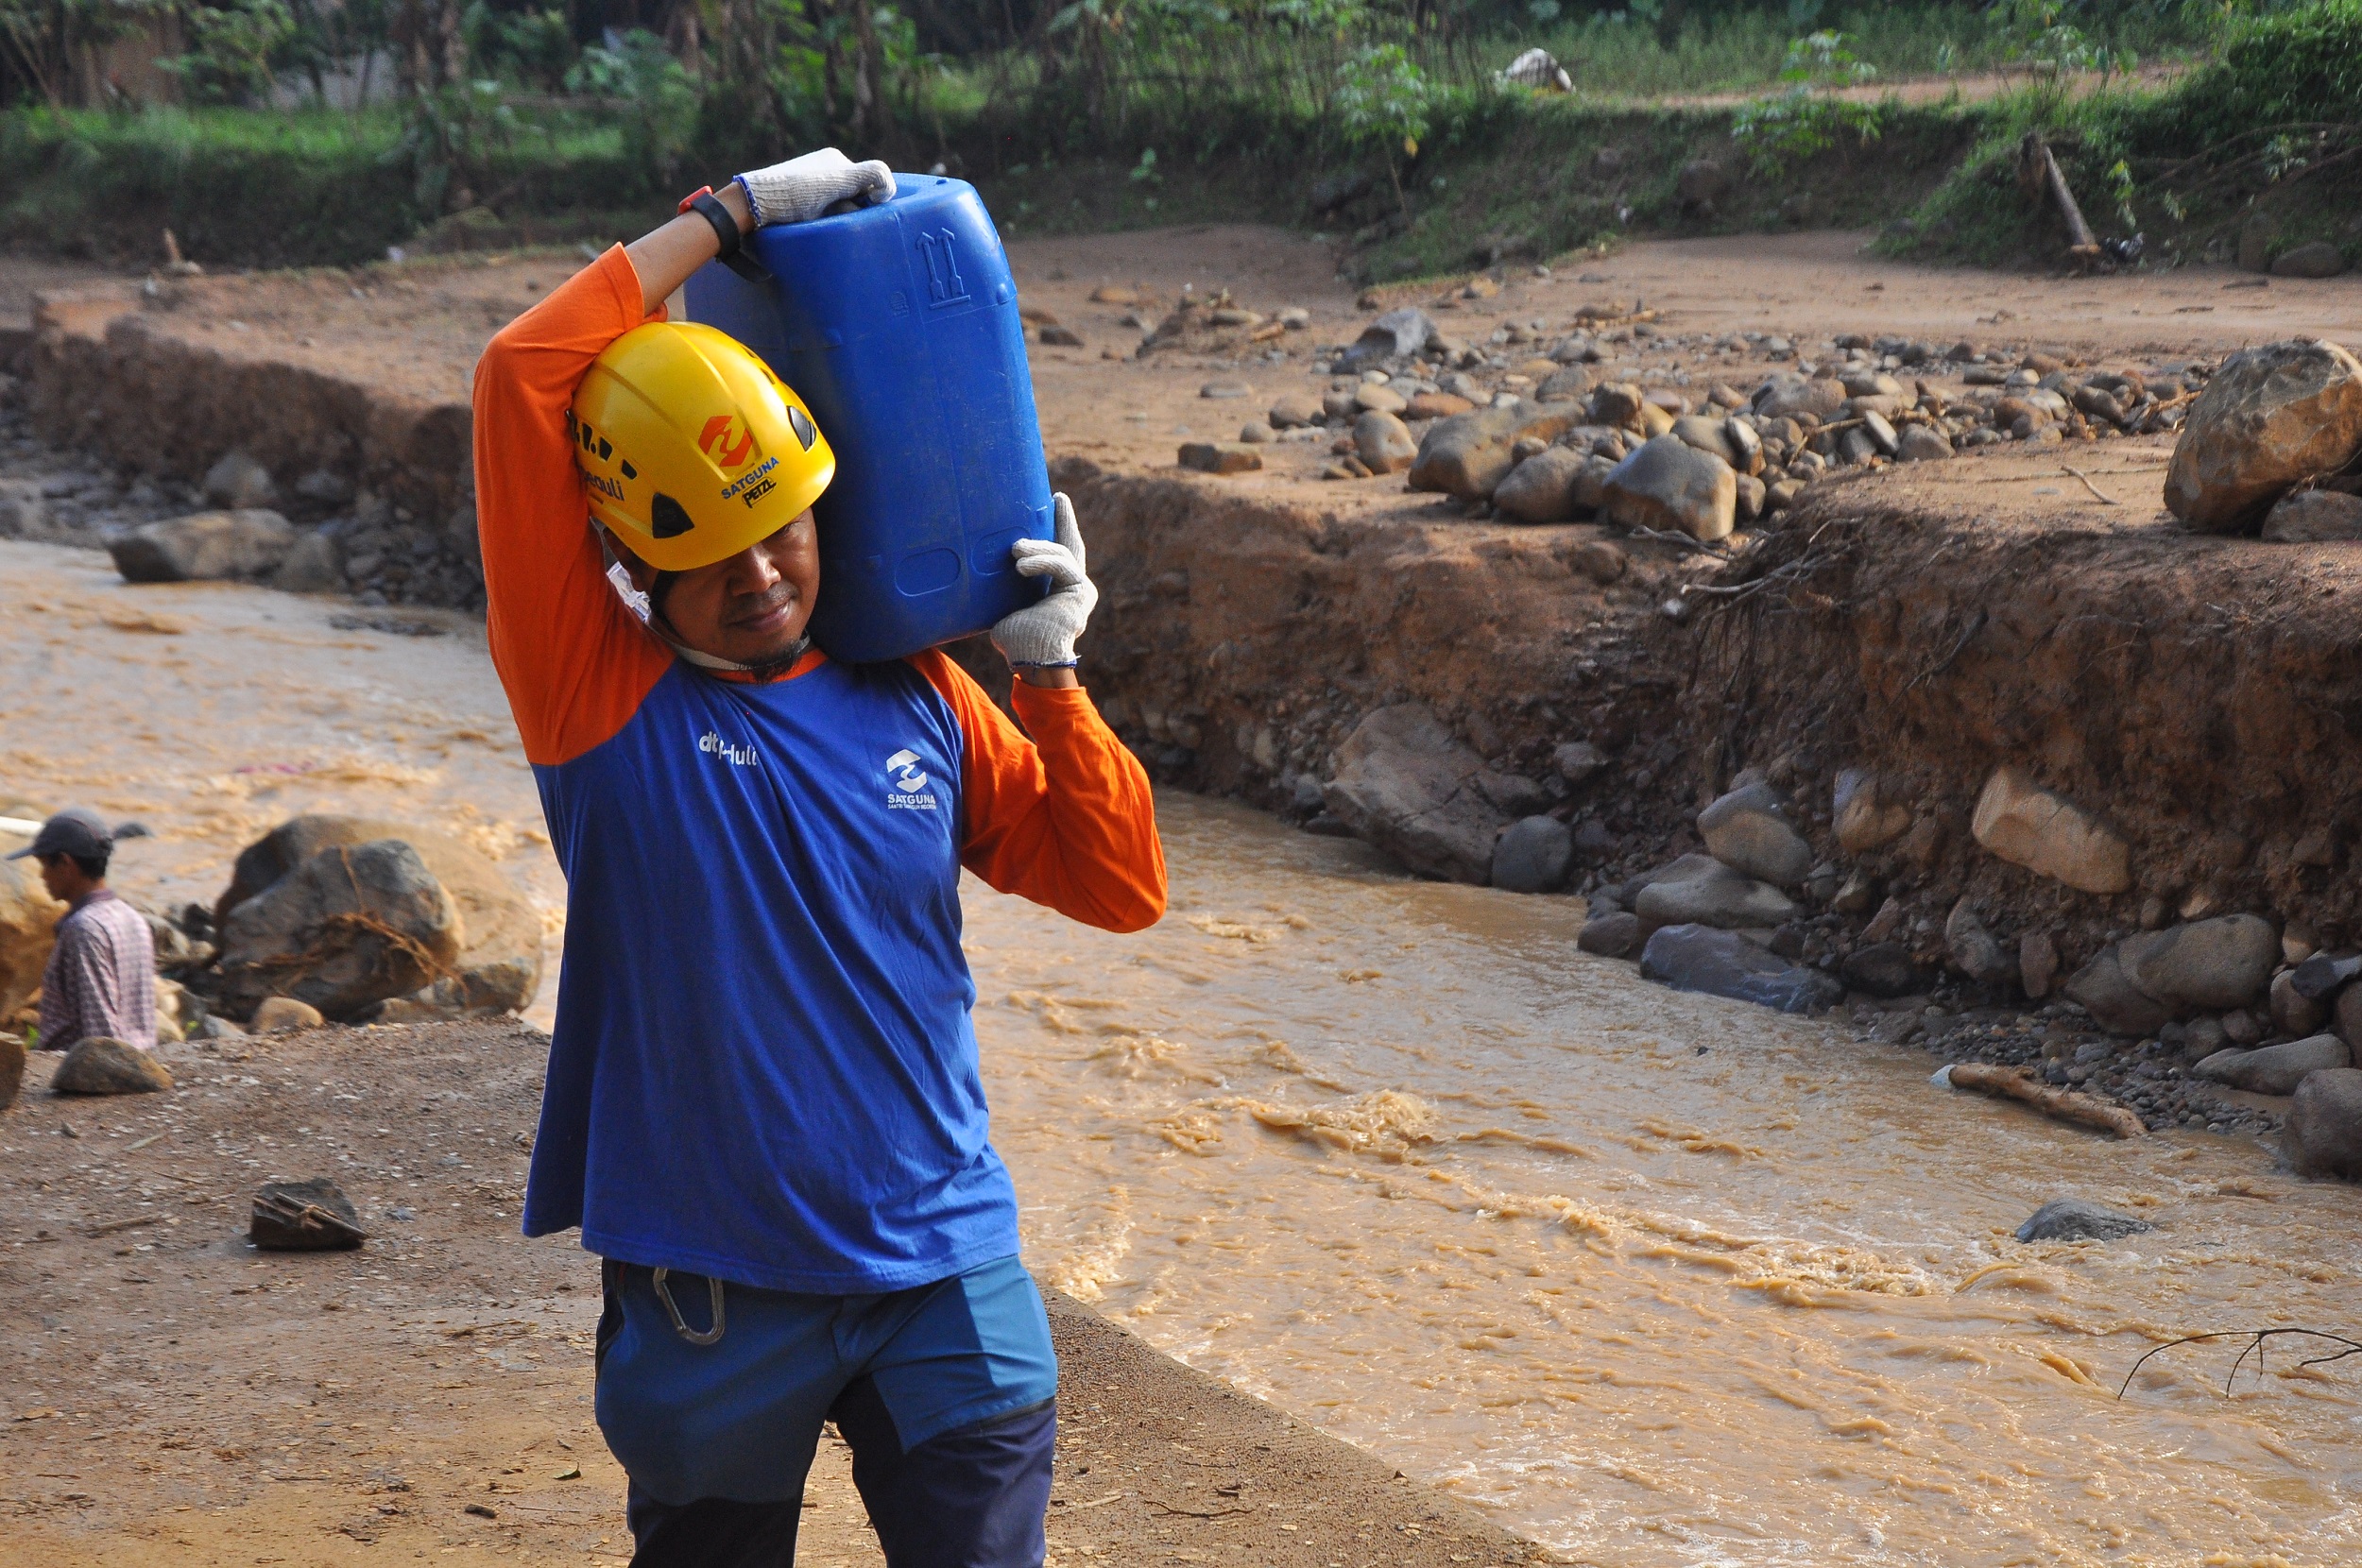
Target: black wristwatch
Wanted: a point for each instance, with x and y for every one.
(733, 252)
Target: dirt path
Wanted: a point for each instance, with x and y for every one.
(170, 1395)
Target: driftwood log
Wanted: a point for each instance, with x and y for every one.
(2020, 1083)
(2040, 178)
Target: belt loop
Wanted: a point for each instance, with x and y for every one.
(713, 1293)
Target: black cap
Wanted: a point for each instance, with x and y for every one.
(76, 830)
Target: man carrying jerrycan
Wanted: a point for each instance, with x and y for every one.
(764, 1107)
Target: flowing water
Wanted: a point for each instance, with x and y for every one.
(1655, 1279)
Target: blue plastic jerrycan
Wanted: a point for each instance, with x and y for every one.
(899, 325)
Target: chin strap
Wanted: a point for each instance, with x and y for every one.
(648, 608)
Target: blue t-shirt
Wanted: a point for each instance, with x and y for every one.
(764, 1068)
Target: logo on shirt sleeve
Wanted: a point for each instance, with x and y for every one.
(908, 790)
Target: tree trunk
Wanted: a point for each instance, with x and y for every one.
(873, 118)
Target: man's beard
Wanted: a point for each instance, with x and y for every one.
(776, 665)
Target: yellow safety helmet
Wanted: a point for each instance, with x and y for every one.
(692, 449)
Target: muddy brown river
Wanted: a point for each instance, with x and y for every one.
(1654, 1279)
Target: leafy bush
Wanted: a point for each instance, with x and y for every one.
(1809, 117)
(233, 47)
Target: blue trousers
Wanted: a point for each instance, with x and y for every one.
(945, 1393)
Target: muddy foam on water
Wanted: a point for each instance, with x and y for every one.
(1657, 1278)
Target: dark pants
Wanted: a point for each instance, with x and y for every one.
(974, 1498)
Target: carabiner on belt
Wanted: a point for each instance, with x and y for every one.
(713, 1292)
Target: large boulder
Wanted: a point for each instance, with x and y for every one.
(2271, 417)
(1670, 486)
(1405, 784)
(1746, 831)
(2115, 1004)
(1542, 488)
(246, 544)
(1534, 854)
(349, 927)
(2206, 966)
(2320, 259)
(1397, 335)
(2274, 1069)
(1470, 454)
(2325, 1123)
(28, 925)
(2026, 824)
(499, 967)
(1698, 890)
(1723, 964)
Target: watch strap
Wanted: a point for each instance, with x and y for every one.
(732, 253)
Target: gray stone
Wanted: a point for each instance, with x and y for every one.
(1746, 830)
(2115, 1004)
(1578, 760)
(1295, 410)
(2274, 1069)
(314, 565)
(1974, 951)
(1402, 782)
(325, 488)
(2293, 1012)
(1610, 933)
(238, 483)
(1595, 841)
(2313, 516)
(1670, 486)
(499, 967)
(1571, 384)
(1396, 334)
(348, 928)
(2320, 259)
(2205, 966)
(1881, 433)
(204, 546)
(1542, 488)
(1383, 442)
(1885, 969)
(1723, 964)
(1532, 855)
(2037, 963)
(1225, 390)
(1698, 890)
(1705, 433)
(2271, 418)
(1785, 396)
(2322, 974)
(1468, 455)
(2325, 1123)
(1513, 792)
(99, 1066)
(2076, 1219)
(304, 1216)
(1921, 444)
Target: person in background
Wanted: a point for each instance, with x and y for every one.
(101, 976)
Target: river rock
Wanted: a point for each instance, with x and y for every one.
(1436, 405)
(28, 924)
(1542, 488)
(1610, 933)
(2271, 417)
(237, 483)
(245, 545)
(1785, 396)
(1470, 454)
(2037, 963)
(2274, 1069)
(2115, 1004)
(1921, 444)
(1220, 457)
(1745, 830)
(2325, 1123)
(274, 1013)
(2313, 516)
(1568, 383)
(1370, 398)
(1397, 335)
(1863, 822)
(1402, 782)
(1723, 964)
(1383, 442)
(1704, 434)
(303, 1216)
(499, 969)
(346, 929)
(1578, 762)
(1534, 854)
(1616, 405)
(1698, 890)
(1974, 951)
(314, 564)
(1670, 486)
(1885, 969)
(1295, 410)
(2205, 966)
(102, 1067)
(2077, 1220)
(2321, 975)
(2292, 1011)
(2320, 259)
(2026, 824)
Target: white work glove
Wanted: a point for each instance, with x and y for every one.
(803, 188)
(1045, 633)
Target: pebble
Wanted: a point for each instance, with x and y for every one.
(1223, 389)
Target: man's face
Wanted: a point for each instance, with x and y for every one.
(63, 878)
(750, 607)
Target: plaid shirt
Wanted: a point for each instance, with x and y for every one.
(101, 977)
